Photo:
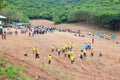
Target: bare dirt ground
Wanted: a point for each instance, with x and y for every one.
(106, 67)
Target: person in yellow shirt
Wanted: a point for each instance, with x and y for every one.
(53, 48)
(92, 52)
(37, 52)
(72, 59)
(26, 54)
(84, 53)
(69, 52)
(49, 59)
(33, 49)
(81, 54)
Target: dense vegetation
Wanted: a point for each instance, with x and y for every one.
(56, 10)
(103, 13)
(3, 4)
(9, 72)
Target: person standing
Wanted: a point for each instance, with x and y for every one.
(33, 49)
(92, 52)
(37, 52)
(93, 39)
(29, 34)
(84, 52)
(53, 48)
(72, 59)
(81, 54)
(49, 59)
(59, 50)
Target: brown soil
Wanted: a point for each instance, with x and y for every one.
(106, 67)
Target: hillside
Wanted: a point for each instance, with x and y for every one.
(47, 9)
(106, 67)
(103, 13)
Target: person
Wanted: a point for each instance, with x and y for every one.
(89, 46)
(81, 54)
(53, 48)
(29, 34)
(49, 59)
(56, 48)
(92, 40)
(26, 54)
(69, 52)
(4, 35)
(59, 50)
(92, 52)
(72, 58)
(37, 52)
(84, 52)
(16, 32)
(33, 49)
(100, 54)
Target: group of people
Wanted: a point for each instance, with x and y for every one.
(35, 51)
(66, 49)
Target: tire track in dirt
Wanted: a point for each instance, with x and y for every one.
(29, 65)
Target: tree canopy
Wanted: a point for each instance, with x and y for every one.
(103, 13)
(3, 4)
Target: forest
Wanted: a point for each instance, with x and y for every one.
(102, 13)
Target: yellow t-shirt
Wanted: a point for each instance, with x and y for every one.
(66, 52)
(63, 47)
(33, 48)
(92, 51)
(84, 51)
(53, 47)
(59, 50)
(81, 53)
(49, 57)
(37, 50)
(72, 58)
(71, 53)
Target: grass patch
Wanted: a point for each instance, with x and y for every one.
(45, 68)
(57, 73)
(72, 78)
(67, 74)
